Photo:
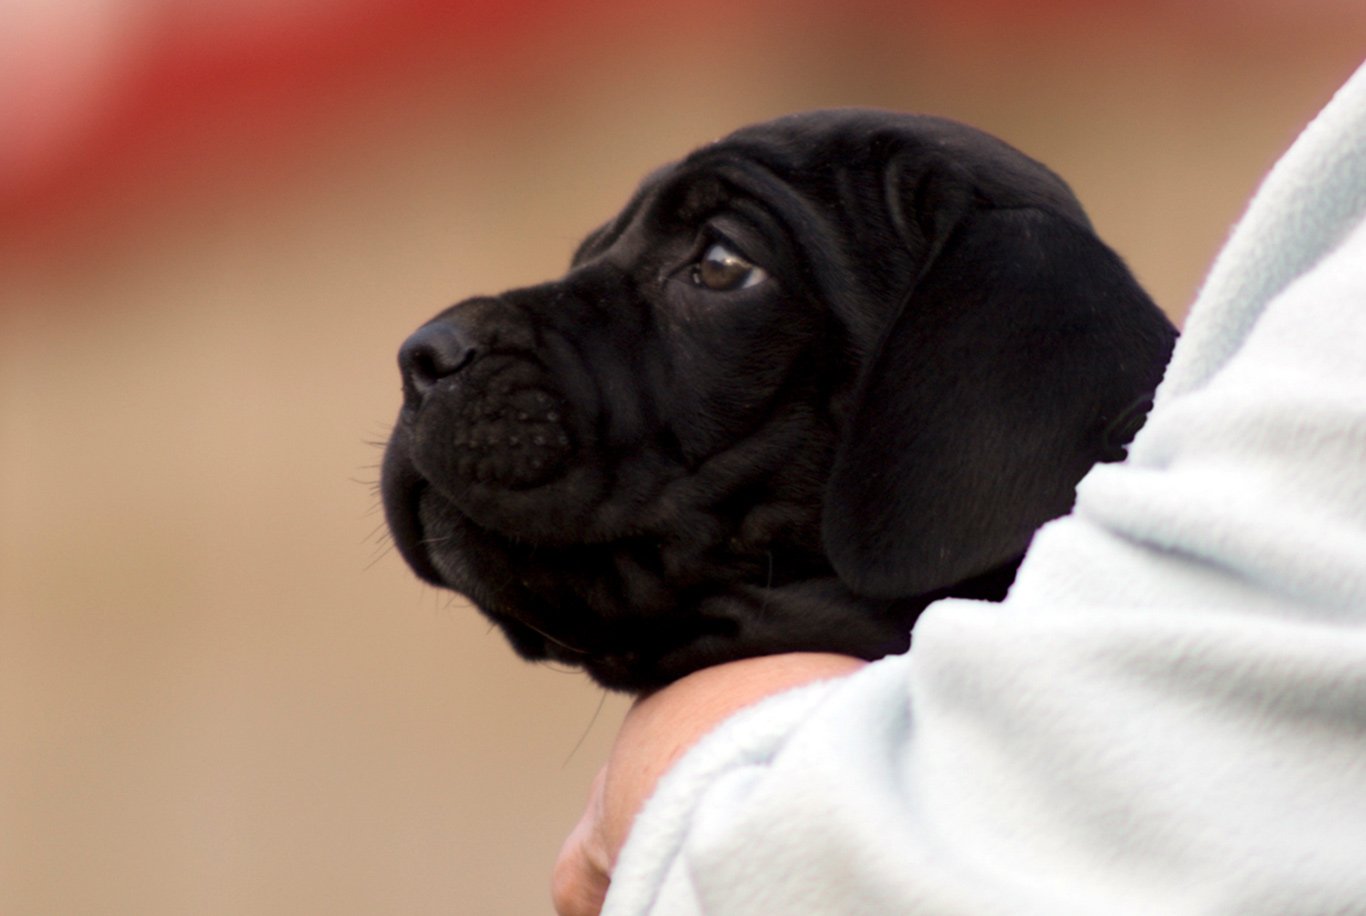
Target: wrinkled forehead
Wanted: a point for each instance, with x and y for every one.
(805, 165)
(837, 142)
(729, 175)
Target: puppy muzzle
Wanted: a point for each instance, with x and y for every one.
(477, 416)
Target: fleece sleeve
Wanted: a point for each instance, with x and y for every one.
(1166, 715)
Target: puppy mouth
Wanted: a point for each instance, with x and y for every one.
(481, 446)
(432, 535)
(446, 548)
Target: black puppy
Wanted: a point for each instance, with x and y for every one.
(814, 376)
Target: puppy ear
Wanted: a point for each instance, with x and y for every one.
(1023, 344)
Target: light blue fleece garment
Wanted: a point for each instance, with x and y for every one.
(1167, 714)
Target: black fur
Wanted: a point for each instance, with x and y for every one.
(641, 476)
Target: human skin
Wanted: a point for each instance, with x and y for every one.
(657, 730)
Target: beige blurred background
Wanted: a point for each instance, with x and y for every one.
(219, 691)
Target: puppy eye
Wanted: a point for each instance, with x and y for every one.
(722, 270)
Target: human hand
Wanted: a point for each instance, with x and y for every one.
(657, 730)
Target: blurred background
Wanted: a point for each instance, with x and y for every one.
(220, 692)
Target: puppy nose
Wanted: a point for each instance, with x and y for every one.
(433, 352)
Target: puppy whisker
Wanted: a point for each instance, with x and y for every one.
(597, 711)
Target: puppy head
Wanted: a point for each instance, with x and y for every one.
(812, 376)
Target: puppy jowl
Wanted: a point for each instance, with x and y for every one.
(813, 377)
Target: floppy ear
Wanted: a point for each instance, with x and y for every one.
(1023, 344)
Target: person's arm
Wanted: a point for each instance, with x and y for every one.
(657, 730)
